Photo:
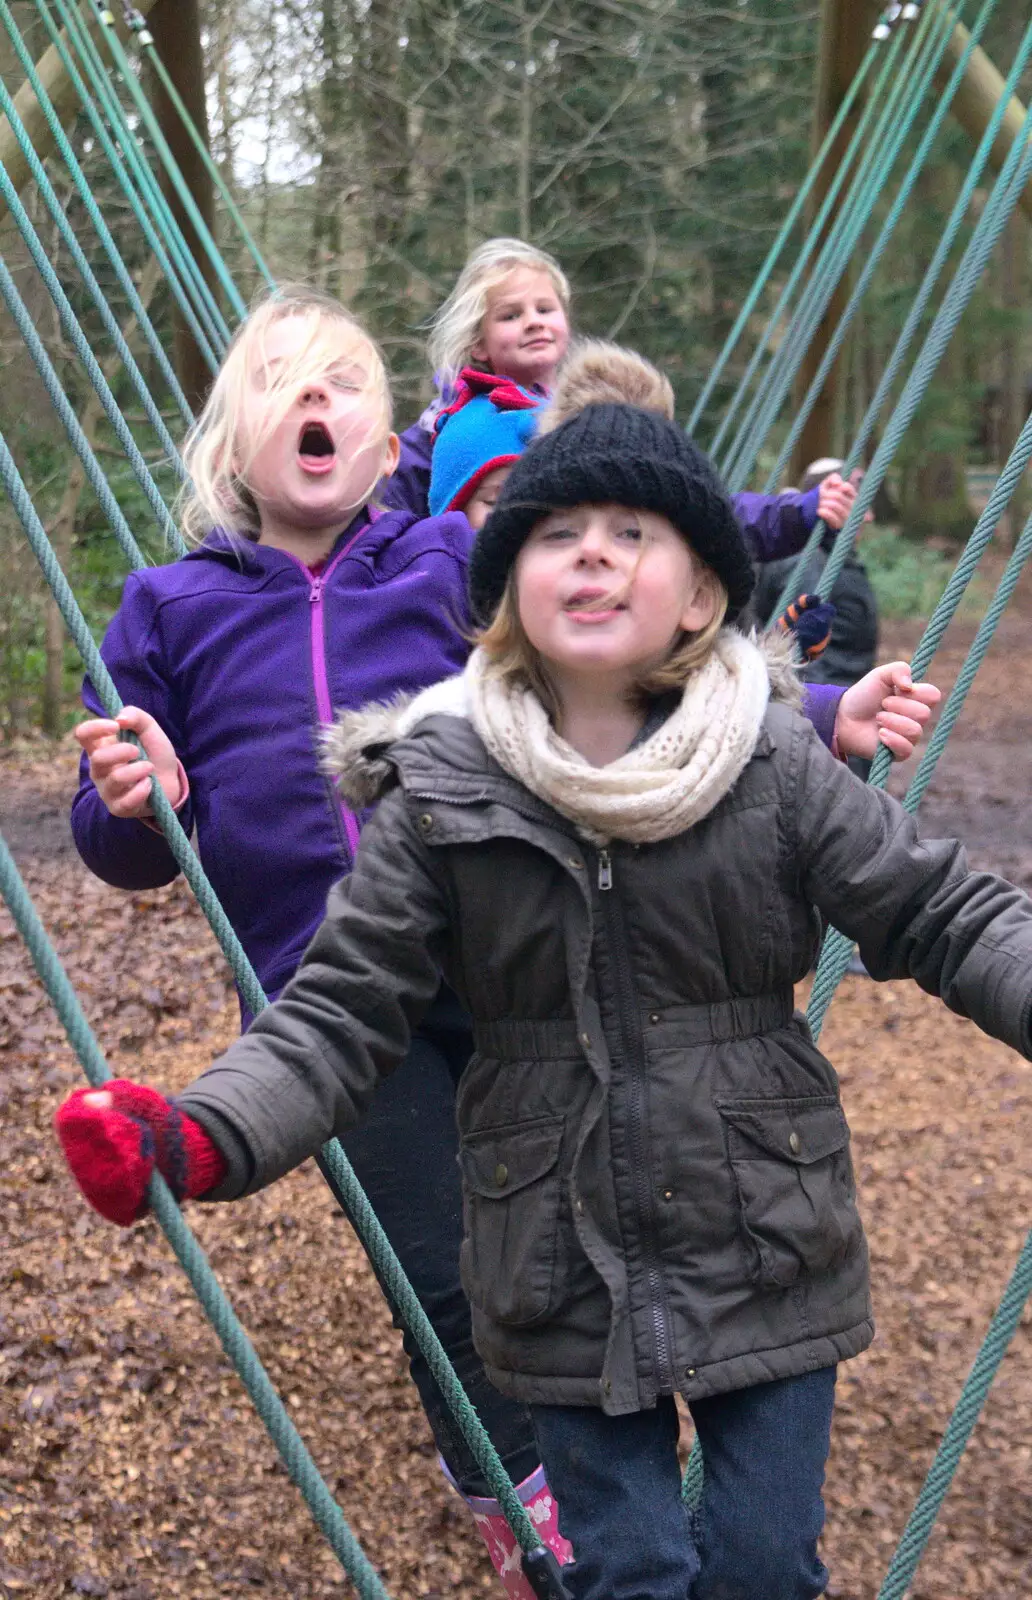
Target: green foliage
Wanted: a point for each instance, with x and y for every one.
(908, 578)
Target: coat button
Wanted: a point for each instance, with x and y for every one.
(585, 1040)
(501, 1174)
(689, 1372)
(795, 1144)
(579, 1208)
(575, 862)
(607, 1385)
(426, 822)
(668, 1194)
(653, 1016)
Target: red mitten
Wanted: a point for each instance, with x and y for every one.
(113, 1137)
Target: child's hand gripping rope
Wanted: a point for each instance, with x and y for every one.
(121, 775)
(885, 707)
(835, 500)
(114, 1137)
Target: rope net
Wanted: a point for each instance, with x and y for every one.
(891, 98)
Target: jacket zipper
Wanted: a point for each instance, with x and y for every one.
(636, 1070)
(320, 675)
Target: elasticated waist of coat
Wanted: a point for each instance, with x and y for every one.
(666, 1029)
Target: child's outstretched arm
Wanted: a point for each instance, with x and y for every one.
(911, 904)
(309, 1066)
(108, 817)
(778, 525)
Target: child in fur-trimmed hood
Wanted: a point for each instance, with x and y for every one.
(616, 837)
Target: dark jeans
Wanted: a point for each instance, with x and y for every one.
(617, 1484)
(405, 1156)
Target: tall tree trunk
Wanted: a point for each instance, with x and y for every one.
(388, 169)
(845, 35)
(326, 234)
(176, 26)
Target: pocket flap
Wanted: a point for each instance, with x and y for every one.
(499, 1161)
(801, 1131)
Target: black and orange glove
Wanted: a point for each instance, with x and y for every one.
(809, 620)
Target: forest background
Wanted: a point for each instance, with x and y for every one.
(653, 146)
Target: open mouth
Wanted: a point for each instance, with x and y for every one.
(316, 444)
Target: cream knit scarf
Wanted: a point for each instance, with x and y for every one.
(659, 788)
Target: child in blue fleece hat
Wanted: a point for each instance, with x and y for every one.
(487, 426)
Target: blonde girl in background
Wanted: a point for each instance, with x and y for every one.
(509, 314)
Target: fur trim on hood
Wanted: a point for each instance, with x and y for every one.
(354, 748)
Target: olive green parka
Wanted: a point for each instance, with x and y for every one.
(655, 1159)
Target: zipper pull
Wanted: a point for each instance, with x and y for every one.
(605, 870)
(315, 591)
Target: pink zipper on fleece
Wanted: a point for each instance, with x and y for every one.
(320, 677)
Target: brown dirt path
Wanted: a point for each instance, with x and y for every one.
(130, 1462)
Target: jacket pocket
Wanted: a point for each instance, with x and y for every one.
(512, 1190)
(796, 1194)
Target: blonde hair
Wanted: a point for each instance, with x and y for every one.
(596, 372)
(515, 662)
(218, 494)
(456, 327)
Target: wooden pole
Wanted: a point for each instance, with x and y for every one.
(977, 98)
(176, 27)
(846, 27)
(63, 96)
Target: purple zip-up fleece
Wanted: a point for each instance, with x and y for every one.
(775, 525)
(242, 654)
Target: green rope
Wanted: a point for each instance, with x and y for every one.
(69, 421)
(238, 1347)
(1004, 197)
(204, 300)
(837, 253)
(916, 312)
(168, 160)
(57, 212)
(877, 250)
(70, 325)
(830, 270)
(837, 948)
(145, 39)
(367, 1224)
(852, 153)
(783, 235)
(127, 186)
(959, 1429)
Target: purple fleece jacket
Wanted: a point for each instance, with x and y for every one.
(242, 656)
(775, 525)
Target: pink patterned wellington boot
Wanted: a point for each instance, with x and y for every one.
(500, 1540)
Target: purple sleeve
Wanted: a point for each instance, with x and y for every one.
(776, 525)
(820, 705)
(408, 488)
(123, 851)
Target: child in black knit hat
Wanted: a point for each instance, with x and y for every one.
(617, 838)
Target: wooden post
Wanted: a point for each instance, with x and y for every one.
(62, 93)
(976, 100)
(846, 27)
(176, 27)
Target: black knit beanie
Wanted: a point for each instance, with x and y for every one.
(613, 454)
